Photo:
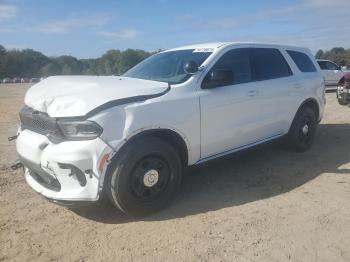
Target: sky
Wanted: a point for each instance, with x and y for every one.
(87, 29)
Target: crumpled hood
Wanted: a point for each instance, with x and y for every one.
(68, 96)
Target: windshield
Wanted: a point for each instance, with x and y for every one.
(167, 66)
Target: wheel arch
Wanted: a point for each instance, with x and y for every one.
(170, 135)
(311, 103)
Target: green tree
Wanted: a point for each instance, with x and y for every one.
(67, 70)
(131, 57)
(2, 50)
(23, 63)
(319, 54)
(50, 69)
(109, 63)
(89, 66)
(30, 63)
(69, 64)
(2, 56)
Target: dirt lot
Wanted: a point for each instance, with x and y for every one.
(263, 205)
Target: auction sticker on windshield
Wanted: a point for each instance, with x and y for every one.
(203, 50)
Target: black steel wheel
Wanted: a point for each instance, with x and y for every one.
(150, 178)
(302, 131)
(144, 177)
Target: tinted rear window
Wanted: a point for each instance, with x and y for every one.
(302, 61)
(268, 63)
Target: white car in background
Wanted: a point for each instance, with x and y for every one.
(332, 73)
(130, 137)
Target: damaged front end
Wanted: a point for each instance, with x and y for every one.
(343, 90)
(62, 157)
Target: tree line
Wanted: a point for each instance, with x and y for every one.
(30, 63)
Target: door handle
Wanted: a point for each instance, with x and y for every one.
(252, 93)
(297, 85)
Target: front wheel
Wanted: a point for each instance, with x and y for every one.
(302, 131)
(144, 177)
(340, 99)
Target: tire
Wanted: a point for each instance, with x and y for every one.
(340, 100)
(144, 177)
(301, 134)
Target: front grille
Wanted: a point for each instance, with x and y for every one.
(38, 122)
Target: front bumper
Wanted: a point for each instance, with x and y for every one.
(67, 171)
(343, 95)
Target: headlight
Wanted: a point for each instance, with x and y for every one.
(79, 130)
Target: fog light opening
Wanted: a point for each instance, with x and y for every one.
(80, 175)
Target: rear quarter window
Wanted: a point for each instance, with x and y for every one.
(302, 61)
(268, 63)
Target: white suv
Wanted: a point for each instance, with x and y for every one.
(130, 137)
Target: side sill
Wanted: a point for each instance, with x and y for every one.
(225, 153)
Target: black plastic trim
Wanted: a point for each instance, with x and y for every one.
(80, 175)
(41, 176)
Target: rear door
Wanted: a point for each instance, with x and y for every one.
(275, 83)
(250, 109)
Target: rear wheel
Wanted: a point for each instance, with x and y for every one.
(302, 131)
(144, 177)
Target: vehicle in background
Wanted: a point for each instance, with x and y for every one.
(16, 80)
(34, 80)
(6, 80)
(131, 136)
(343, 90)
(25, 80)
(332, 73)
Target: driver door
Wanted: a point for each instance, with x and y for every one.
(229, 111)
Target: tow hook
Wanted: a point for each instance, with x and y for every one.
(17, 165)
(11, 138)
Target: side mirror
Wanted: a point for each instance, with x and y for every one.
(190, 67)
(219, 77)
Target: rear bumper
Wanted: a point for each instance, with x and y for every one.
(68, 171)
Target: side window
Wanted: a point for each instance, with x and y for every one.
(322, 65)
(234, 65)
(331, 66)
(268, 63)
(326, 65)
(302, 61)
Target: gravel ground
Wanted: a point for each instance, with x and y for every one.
(265, 204)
